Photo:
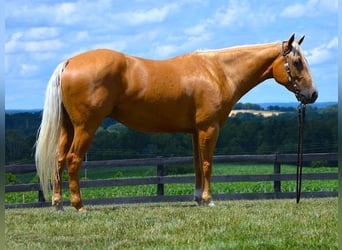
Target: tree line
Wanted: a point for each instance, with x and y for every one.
(244, 133)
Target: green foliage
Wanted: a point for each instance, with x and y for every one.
(118, 174)
(27, 122)
(10, 179)
(281, 109)
(179, 170)
(250, 134)
(319, 164)
(35, 179)
(18, 147)
(249, 106)
(244, 133)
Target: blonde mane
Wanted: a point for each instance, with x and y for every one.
(232, 48)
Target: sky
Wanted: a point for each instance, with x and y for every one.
(39, 34)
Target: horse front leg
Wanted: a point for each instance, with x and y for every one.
(207, 142)
(198, 171)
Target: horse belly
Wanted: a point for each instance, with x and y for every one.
(156, 117)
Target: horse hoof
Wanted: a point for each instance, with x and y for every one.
(82, 210)
(211, 204)
(198, 200)
(200, 203)
(59, 208)
(58, 205)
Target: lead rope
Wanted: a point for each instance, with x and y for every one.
(301, 119)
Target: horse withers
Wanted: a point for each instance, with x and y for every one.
(191, 93)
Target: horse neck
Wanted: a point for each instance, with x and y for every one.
(245, 67)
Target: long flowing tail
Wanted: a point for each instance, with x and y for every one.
(49, 131)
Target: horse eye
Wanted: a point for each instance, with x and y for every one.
(298, 64)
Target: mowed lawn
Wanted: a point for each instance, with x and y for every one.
(261, 224)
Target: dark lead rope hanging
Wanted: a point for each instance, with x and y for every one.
(301, 119)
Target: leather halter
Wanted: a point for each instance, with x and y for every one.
(288, 71)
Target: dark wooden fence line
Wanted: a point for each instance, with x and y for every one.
(160, 179)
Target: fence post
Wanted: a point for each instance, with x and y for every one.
(277, 170)
(160, 173)
(41, 196)
(40, 193)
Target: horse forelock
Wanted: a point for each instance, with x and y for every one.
(296, 49)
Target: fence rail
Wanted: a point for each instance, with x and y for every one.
(160, 179)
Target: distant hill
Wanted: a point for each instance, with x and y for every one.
(295, 104)
(16, 111)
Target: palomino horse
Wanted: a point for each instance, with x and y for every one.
(191, 93)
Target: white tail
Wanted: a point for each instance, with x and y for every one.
(49, 131)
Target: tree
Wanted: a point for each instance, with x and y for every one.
(243, 134)
(18, 147)
(248, 106)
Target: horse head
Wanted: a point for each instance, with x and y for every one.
(292, 70)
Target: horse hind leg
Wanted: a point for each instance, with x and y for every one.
(81, 143)
(63, 148)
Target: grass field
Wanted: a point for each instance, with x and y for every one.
(262, 224)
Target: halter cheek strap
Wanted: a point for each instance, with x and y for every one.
(288, 70)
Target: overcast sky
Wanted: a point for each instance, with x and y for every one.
(40, 34)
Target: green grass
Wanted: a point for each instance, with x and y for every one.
(176, 189)
(262, 224)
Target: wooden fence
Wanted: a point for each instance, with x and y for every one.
(160, 179)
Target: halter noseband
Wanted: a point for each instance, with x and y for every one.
(288, 70)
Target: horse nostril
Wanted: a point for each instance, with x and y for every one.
(314, 96)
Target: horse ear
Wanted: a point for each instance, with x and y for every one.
(290, 41)
(300, 40)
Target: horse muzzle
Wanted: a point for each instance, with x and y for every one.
(307, 97)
